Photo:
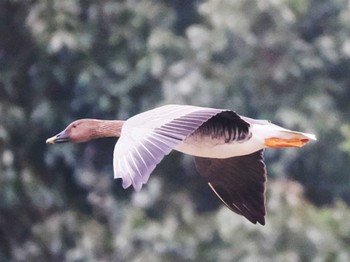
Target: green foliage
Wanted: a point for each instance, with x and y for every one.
(295, 231)
(285, 60)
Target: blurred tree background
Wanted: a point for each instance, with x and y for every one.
(60, 60)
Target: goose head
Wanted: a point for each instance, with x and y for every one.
(84, 130)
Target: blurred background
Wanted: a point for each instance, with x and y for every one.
(60, 60)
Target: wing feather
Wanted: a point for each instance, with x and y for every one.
(239, 182)
(147, 137)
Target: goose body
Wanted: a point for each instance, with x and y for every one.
(206, 146)
(227, 149)
(218, 148)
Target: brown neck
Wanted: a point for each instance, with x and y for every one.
(107, 128)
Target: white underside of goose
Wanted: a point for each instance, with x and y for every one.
(217, 148)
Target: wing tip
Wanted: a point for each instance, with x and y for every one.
(253, 218)
(126, 184)
(257, 220)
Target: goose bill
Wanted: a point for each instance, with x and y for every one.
(59, 138)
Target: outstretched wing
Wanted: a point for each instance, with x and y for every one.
(147, 137)
(239, 182)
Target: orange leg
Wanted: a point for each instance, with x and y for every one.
(280, 142)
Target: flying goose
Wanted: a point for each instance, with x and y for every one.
(228, 149)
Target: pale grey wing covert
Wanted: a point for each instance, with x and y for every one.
(147, 137)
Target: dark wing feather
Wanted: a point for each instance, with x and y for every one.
(227, 125)
(239, 182)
